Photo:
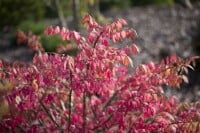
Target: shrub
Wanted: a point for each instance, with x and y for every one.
(37, 27)
(93, 91)
(113, 4)
(50, 44)
(12, 12)
(150, 2)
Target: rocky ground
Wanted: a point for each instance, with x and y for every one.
(161, 31)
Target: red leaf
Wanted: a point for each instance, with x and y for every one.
(123, 34)
(57, 30)
(105, 42)
(135, 49)
(49, 30)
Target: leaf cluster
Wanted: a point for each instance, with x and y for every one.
(93, 91)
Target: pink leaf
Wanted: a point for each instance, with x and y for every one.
(123, 34)
(76, 37)
(105, 42)
(49, 30)
(135, 49)
(57, 30)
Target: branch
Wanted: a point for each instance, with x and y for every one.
(97, 39)
(110, 100)
(48, 114)
(70, 110)
(70, 107)
(84, 112)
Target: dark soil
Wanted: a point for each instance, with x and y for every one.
(161, 31)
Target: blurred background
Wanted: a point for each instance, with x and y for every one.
(163, 26)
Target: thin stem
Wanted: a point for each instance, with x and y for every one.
(110, 100)
(70, 110)
(48, 114)
(113, 97)
(35, 112)
(84, 112)
(103, 123)
(21, 129)
(70, 104)
(97, 39)
(93, 111)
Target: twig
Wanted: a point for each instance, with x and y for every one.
(110, 100)
(97, 39)
(70, 110)
(84, 112)
(70, 107)
(48, 114)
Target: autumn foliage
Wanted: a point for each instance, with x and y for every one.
(94, 91)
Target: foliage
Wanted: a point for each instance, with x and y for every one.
(37, 28)
(13, 12)
(50, 44)
(148, 2)
(94, 91)
(114, 4)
